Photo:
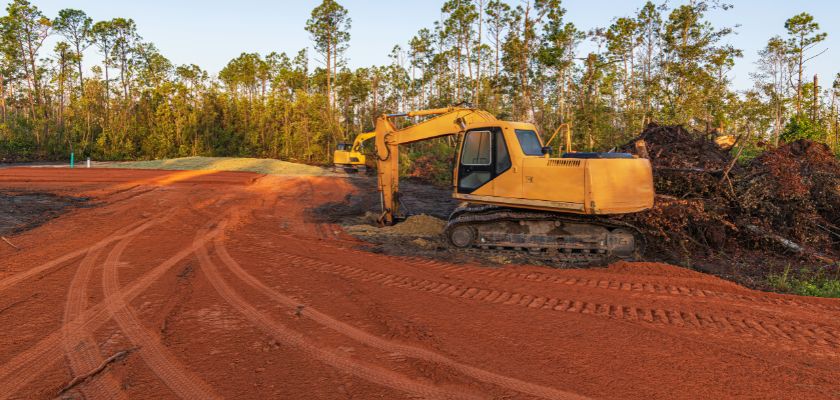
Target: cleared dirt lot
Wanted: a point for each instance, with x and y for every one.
(200, 284)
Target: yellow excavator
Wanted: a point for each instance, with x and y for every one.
(349, 156)
(515, 195)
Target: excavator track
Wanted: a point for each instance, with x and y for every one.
(554, 237)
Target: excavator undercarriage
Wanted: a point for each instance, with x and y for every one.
(552, 236)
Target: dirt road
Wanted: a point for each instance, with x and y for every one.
(212, 285)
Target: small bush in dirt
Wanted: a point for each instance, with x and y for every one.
(807, 283)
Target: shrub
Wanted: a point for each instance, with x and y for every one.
(802, 127)
(807, 283)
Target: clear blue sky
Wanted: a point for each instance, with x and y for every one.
(211, 32)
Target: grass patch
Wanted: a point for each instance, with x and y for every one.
(807, 283)
(258, 165)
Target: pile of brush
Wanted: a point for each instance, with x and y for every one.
(783, 207)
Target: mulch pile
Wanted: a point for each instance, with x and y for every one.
(780, 209)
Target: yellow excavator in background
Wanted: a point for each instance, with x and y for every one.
(349, 156)
(516, 195)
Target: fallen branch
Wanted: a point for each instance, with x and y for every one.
(688, 170)
(789, 244)
(118, 356)
(9, 243)
(830, 231)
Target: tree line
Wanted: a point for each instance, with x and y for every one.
(521, 61)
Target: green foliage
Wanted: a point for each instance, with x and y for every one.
(802, 127)
(807, 283)
(430, 162)
(16, 147)
(519, 60)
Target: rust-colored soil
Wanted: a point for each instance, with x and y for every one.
(201, 284)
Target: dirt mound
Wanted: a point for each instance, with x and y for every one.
(416, 198)
(783, 207)
(419, 226)
(258, 165)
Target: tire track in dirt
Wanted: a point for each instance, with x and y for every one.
(788, 334)
(80, 347)
(384, 344)
(29, 364)
(341, 362)
(615, 284)
(136, 227)
(638, 285)
(166, 366)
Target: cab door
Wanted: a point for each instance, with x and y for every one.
(475, 167)
(483, 156)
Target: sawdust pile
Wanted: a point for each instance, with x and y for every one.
(421, 226)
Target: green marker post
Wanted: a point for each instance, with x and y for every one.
(72, 159)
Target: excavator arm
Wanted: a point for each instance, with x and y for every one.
(444, 122)
(361, 138)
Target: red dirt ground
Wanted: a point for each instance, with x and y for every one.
(211, 285)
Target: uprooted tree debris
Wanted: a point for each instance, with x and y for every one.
(781, 208)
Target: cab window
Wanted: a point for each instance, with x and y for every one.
(529, 142)
(502, 155)
(477, 150)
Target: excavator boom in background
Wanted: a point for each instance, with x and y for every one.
(516, 196)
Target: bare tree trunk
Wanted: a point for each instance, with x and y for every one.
(469, 62)
(31, 94)
(458, 72)
(107, 121)
(815, 114)
(82, 95)
(799, 86)
(523, 70)
(334, 69)
(3, 96)
(329, 79)
(834, 118)
(61, 74)
(478, 49)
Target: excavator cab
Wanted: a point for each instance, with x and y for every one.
(507, 164)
